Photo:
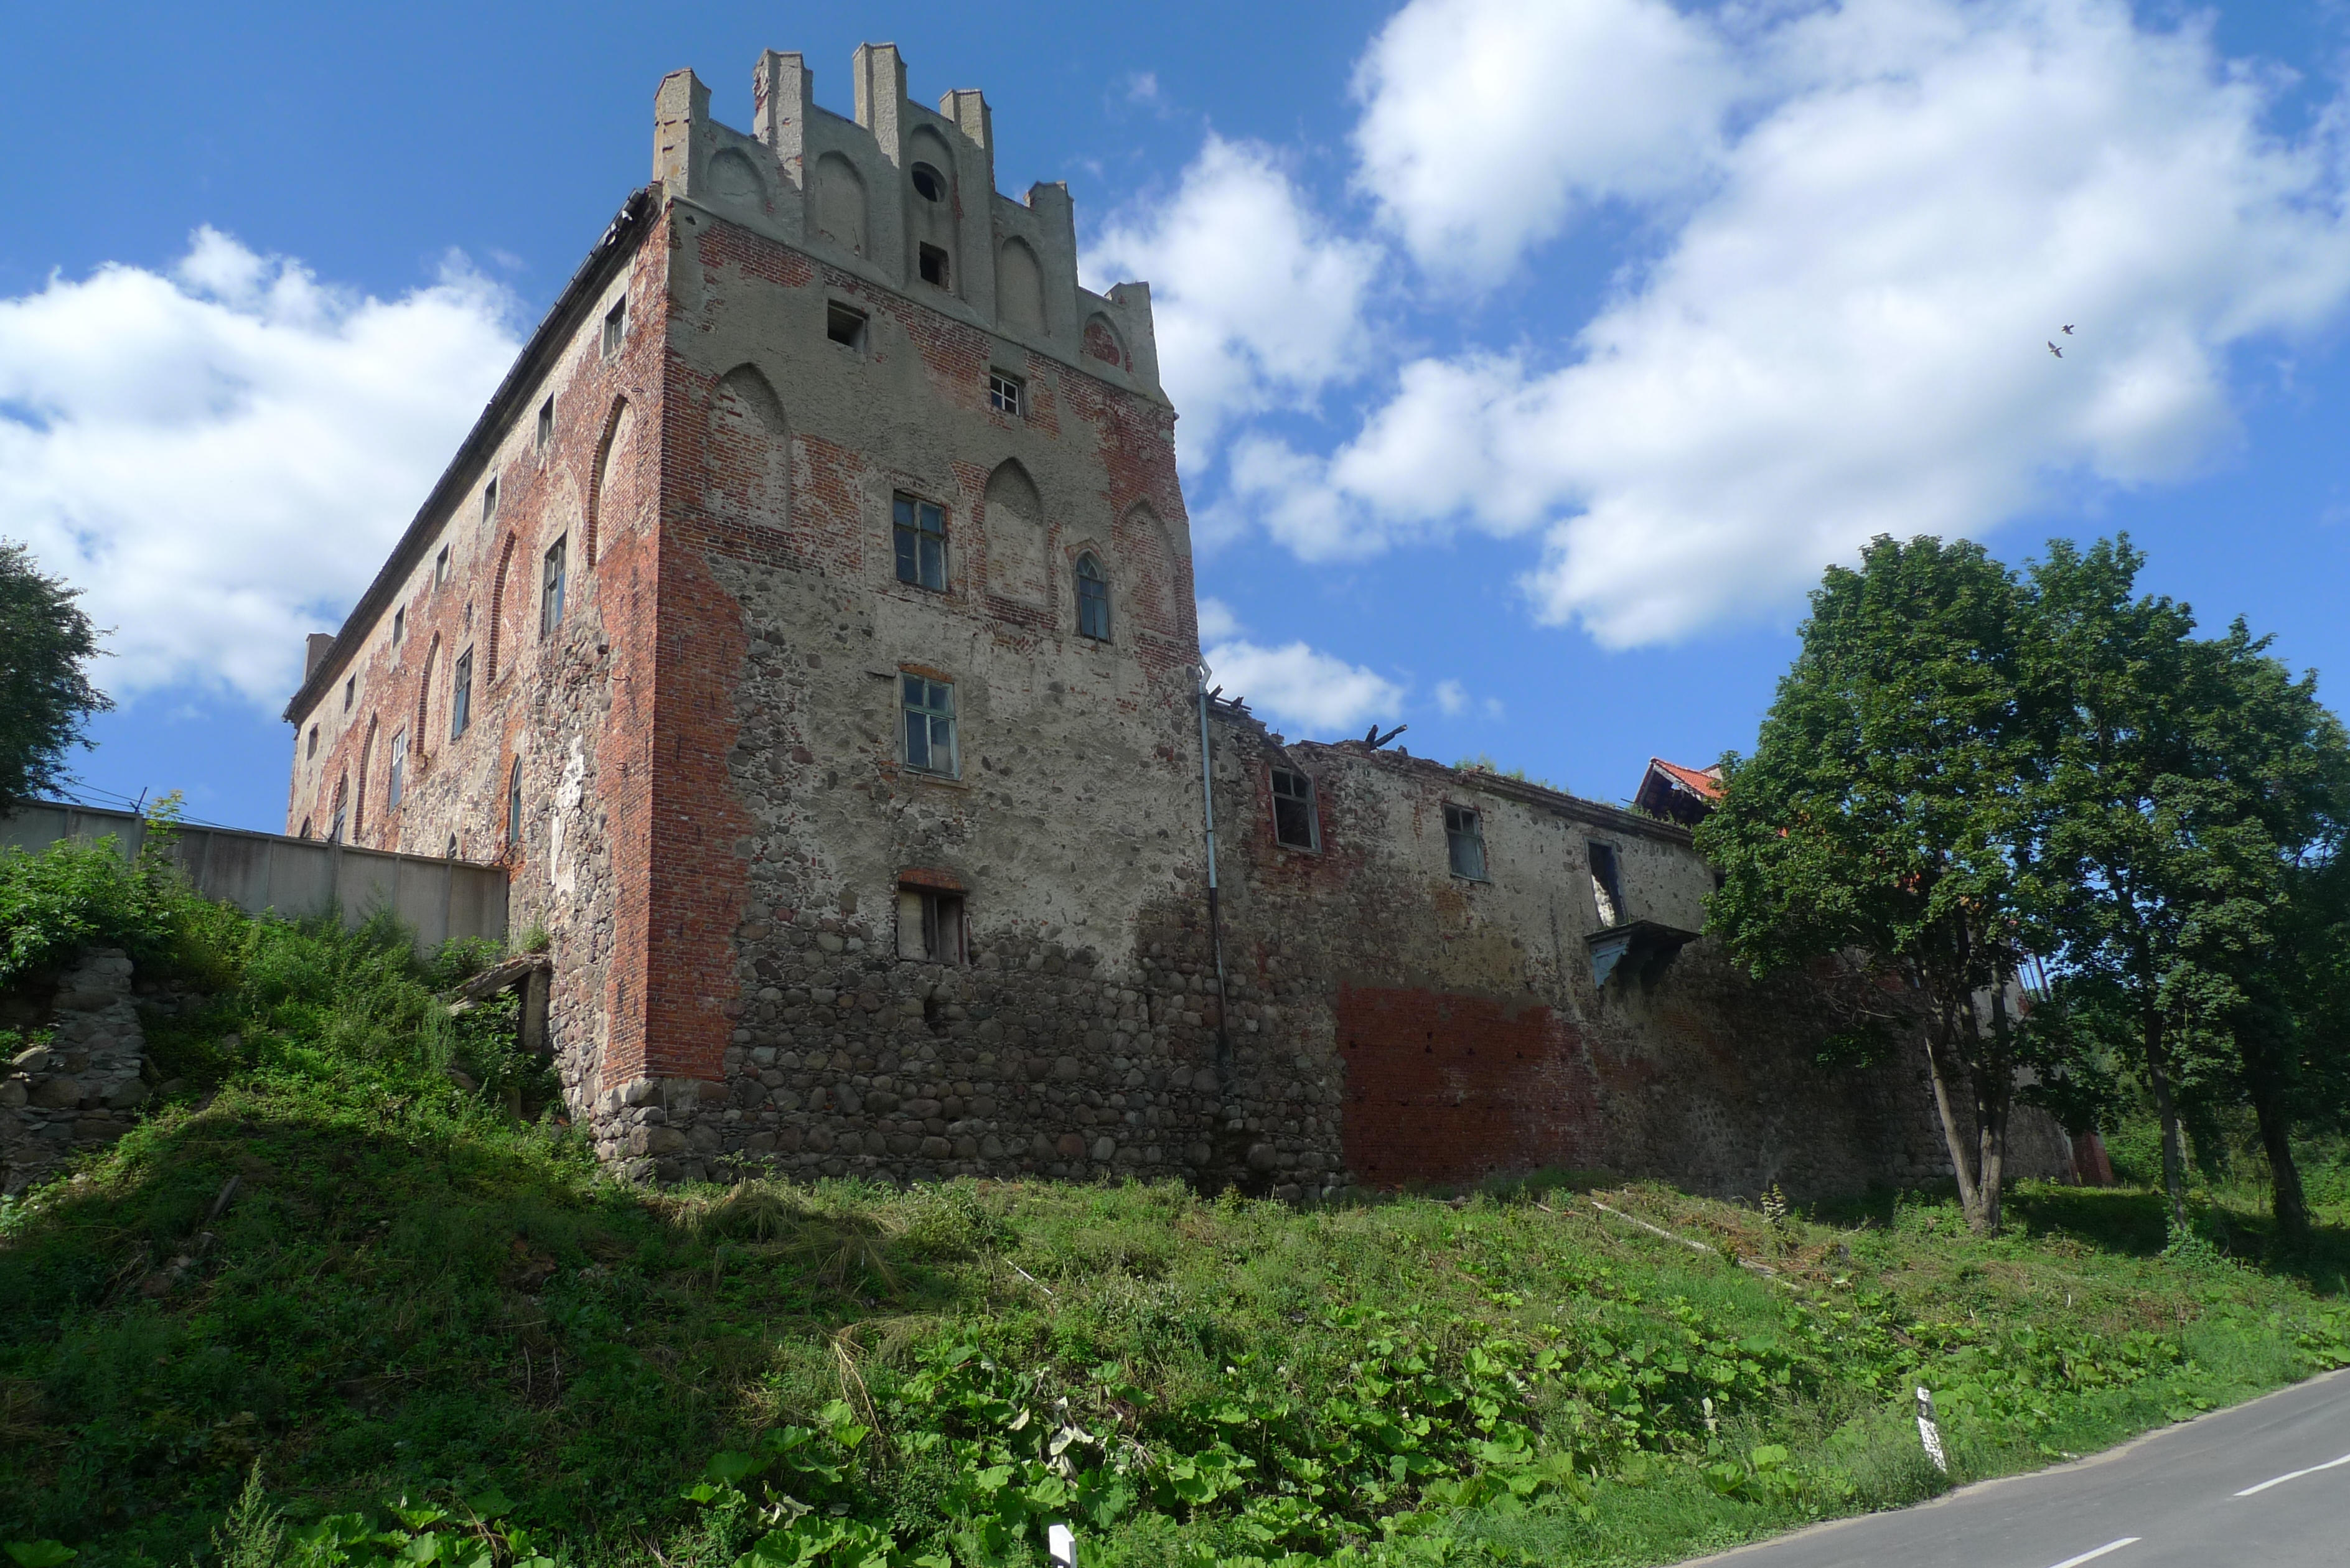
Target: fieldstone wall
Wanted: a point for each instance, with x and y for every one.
(84, 1087)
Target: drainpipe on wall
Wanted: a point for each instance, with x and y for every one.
(1215, 918)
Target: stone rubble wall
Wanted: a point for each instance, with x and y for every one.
(84, 1087)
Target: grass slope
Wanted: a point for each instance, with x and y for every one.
(411, 1298)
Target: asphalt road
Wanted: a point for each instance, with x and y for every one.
(2266, 1485)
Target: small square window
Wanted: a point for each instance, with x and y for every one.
(350, 690)
(490, 501)
(1464, 841)
(930, 725)
(931, 926)
(441, 567)
(399, 624)
(844, 326)
(545, 423)
(1607, 885)
(550, 590)
(934, 267)
(1005, 395)
(1294, 823)
(921, 530)
(616, 325)
(460, 695)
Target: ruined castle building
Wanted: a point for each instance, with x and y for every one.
(807, 623)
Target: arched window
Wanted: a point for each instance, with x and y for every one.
(513, 804)
(1093, 599)
(342, 805)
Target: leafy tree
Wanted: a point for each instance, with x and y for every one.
(46, 696)
(1885, 823)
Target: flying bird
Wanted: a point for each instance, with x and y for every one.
(2054, 349)
(2068, 332)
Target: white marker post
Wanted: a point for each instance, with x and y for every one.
(1061, 1542)
(1930, 1434)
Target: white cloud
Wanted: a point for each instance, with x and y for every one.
(221, 456)
(1843, 335)
(1303, 684)
(1485, 122)
(1451, 696)
(1217, 621)
(1257, 304)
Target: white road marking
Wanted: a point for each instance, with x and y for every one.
(2100, 1551)
(2291, 1475)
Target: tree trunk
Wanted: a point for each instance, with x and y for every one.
(2174, 1154)
(1995, 1097)
(1939, 1071)
(2276, 1138)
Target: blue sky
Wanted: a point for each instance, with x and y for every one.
(1534, 355)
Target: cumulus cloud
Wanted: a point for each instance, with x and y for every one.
(1295, 682)
(220, 455)
(1486, 122)
(1258, 303)
(1843, 334)
(1452, 698)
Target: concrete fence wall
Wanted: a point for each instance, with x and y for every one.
(296, 876)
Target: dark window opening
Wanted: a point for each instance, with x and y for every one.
(350, 690)
(844, 326)
(928, 183)
(1005, 394)
(1294, 826)
(1607, 885)
(441, 567)
(931, 926)
(306, 828)
(399, 624)
(934, 267)
(616, 326)
(452, 846)
(1093, 599)
(489, 501)
(921, 537)
(545, 423)
(550, 590)
(1464, 840)
(314, 739)
(460, 695)
(513, 803)
(930, 725)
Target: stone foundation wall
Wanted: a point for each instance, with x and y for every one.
(84, 1087)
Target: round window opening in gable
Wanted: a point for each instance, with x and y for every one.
(928, 183)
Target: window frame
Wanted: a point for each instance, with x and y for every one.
(544, 435)
(1099, 579)
(1311, 799)
(908, 538)
(933, 925)
(553, 583)
(513, 804)
(1465, 825)
(396, 774)
(441, 567)
(837, 314)
(461, 694)
(616, 327)
(911, 685)
(1007, 394)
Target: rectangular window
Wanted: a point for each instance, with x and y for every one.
(398, 785)
(921, 531)
(490, 501)
(844, 326)
(550, 590)
(460, 695)
(930, 725)
(1464, 840)
(441, 567)
(314, 739)
(399, 624)
(1294, 824)
(616, 326)
(1005, 394)
(934, 267)
(1607, 885)
(545, 423)
(931, 926)
(350, 690)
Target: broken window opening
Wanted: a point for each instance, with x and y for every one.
(933, 261)
(928, 183)
(545, 423)
(931, 926)
(550, 591)
(1464, 841)
(921, 534)
(460, 695)
(1607, 885)
(452, 846)
(616, 326)
(1093, 599)
(930, 725)
(1005, 394)
(844, 326)
(1295, 824)
(396, 785)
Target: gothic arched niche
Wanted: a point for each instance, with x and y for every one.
(1014, 524)
(930, 179)
(840, 203)
(1020, 287)
(1103, 343)
(613, 455)
(749, 455)
(1143, 539)
(734, 177)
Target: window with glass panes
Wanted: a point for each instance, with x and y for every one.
(1293, 826)
(398, 782)
(550, 590)
(1464, 841)
(930, 725)
(1093, 599)
(922, 529)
